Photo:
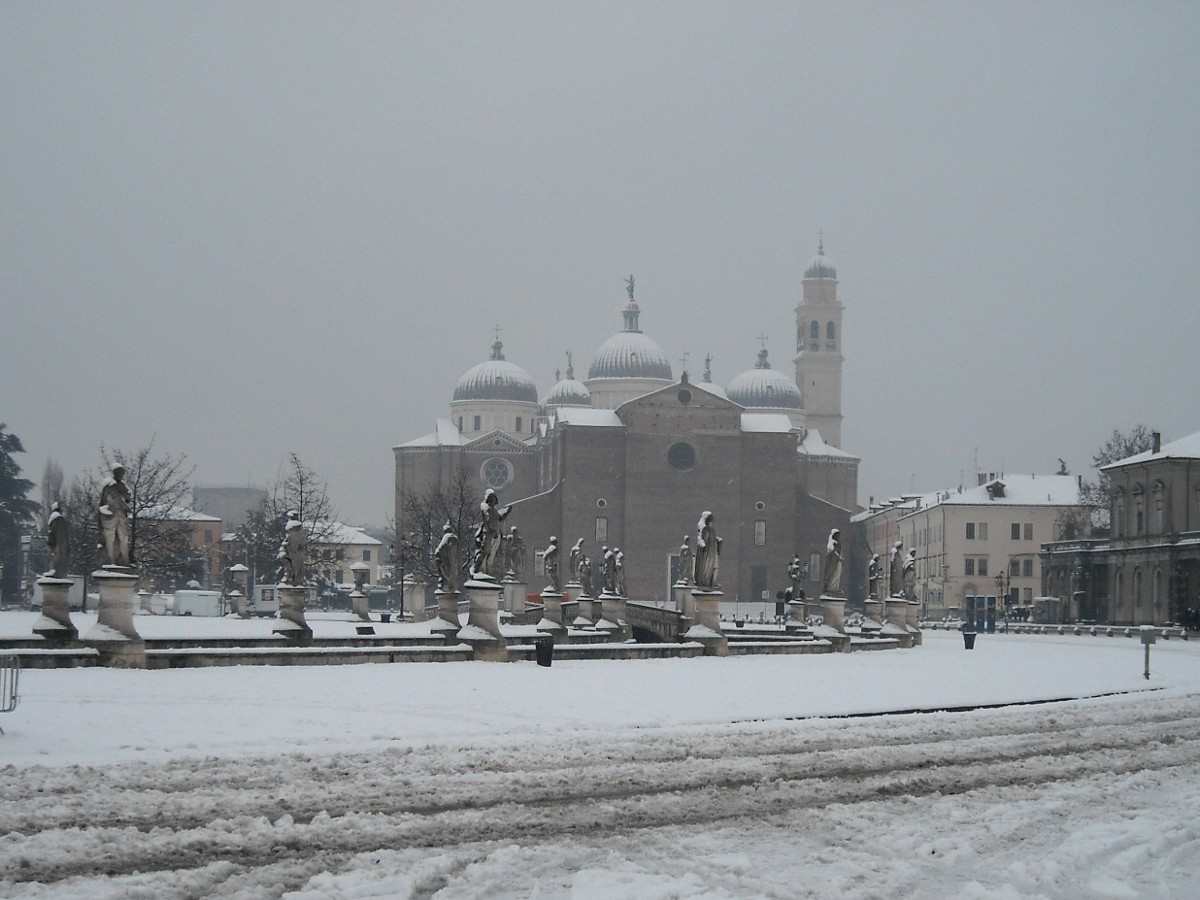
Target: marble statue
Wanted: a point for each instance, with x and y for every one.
(515, 553)
(896, 569)
(447, 558)
(610, 570)
(708, 553)
(619, 571)
(629, 287)
(910, 575)
(795, 572)
(113, 512)
(550, 558)
(487, 535)
(576, 556)
(685, 560)
(58, 541)
(583, 573)
(833, 565)
(293, 550)
(874, 572)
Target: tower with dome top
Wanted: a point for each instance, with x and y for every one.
(819, 348)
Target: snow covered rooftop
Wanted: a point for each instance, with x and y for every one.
(581, 415)
(341, 533)
(1184, 448)
(814, 445)
(180, 514)
(1008, 490)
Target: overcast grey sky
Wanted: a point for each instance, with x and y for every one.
(248, 229)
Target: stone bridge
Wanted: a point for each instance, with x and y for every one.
(655, 624)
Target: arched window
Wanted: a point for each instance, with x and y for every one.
(1119, 512)
(814, 331)
(830, 331)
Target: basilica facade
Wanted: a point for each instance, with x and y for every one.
(630, 456)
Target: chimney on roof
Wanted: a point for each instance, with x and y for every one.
(1156, 442)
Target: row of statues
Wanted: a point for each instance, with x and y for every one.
(902, 573)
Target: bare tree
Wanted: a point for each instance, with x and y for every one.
(50, 490)
(1096, 496)
(258, 540)
(455, 500)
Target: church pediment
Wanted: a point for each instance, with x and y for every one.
(495, 441)
(681, 395)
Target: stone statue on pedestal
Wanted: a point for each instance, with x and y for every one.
(487, 535)
(619, 571)
(58, 540)
(708, 553)
(795, 572)
(896, 570)
(447, 559)
(874, 572)
(910, 575)
(576, 556)
(294, 550)
(685, 561)
(610, 570)
(550, 558)
(515, 553)
(583, 573)
(833, 565)
(113, 514)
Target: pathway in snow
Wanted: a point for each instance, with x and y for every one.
(1092, 798)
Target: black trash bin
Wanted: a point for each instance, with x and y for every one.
(544, 648)
(969, 640)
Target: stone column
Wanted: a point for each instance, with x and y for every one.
(114, 634)
(834, 611)
(54, 624)
(874, 612)
(706, 627)
(681, 591)
(552, 619)
(291, 623)
(896, 613)
(586, 616)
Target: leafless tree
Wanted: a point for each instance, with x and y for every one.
(1096, 496)
(456, 500)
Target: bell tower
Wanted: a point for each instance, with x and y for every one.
(819, 348)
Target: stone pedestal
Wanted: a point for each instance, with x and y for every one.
(873, 610)
(585, 615)
(896, 621)
(514, 596)
(54, 624)
(359, 605)
(482, 630)
(238, 605)
(681, 592)
(914, 614)
(612, 615)
(114, 634)
(572, 591)
(291, 623)
(143, 598)
(833, 609)
(797, 611)
(552, 617)
(706, 627)
(446, 624)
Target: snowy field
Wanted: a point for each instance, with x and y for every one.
(737, 777)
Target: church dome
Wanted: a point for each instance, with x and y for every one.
(568, 391)
(764, 388)
(629, 353)
(496, 379)
(820, 266)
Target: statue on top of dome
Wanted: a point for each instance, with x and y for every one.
(629, 287)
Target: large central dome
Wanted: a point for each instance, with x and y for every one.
(629, 353)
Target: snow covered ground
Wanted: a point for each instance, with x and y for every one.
(704, 777)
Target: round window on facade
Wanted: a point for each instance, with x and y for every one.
(760, 506)
(496, 473)
(601, 503)
(685, 396)
(682, 457)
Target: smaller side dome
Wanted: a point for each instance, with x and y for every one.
(821, 266)
(568, 391)
(496, 379)
(764, 388)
